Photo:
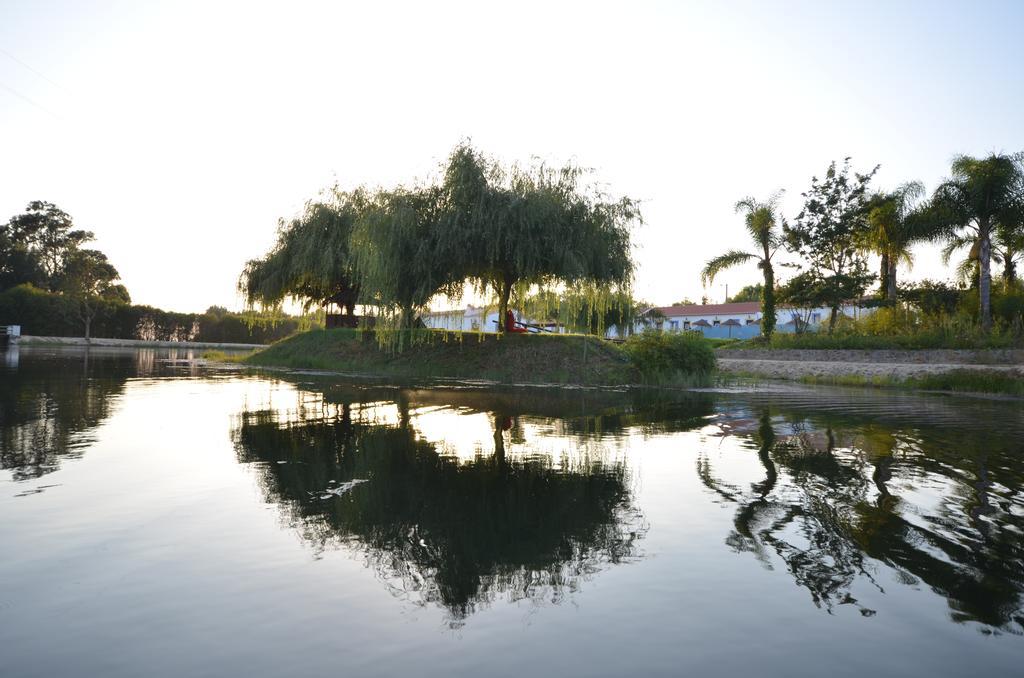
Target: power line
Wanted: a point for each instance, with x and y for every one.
(34, 71)
(25, 98)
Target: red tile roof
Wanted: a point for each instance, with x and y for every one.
(738, 308)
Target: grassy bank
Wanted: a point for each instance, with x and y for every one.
(957, 381)
(463, 355)
(523, 358)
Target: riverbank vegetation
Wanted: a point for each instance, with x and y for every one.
(956, 381)
(51, 284)
(978, 209)
(52, 314)
(502, 232)
(928, 316)
(555, 359)
(649, 358)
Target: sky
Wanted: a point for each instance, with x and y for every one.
(180, 132)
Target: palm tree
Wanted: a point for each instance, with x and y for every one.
(1007, 249)
(893, 227)
(981, 194)
(762, 224)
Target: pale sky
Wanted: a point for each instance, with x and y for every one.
(180, 132)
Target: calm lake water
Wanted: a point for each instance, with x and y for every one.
(163, 519)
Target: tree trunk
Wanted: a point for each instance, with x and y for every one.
(499, 439)
(1009, 270)
(505, 293)
(985, 274)
(890, 280)
(832, 317)
(88, 325)
(883, 276)
(768, 302)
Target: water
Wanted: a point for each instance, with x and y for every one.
(163, 519)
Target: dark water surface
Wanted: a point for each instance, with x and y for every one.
(163, 519)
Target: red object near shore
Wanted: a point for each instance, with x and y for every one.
(511, 325)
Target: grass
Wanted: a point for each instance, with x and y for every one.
(563, 359)
(956, 381)
(518, 358)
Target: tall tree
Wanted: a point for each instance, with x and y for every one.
(753, 292)
(509, 229)
(762, 224)
(34, 245)
(981, 194)
(395, 253)
(1008, 248)
(893, 227)
(1007, 251)
(828, 232)
(310, 262)
(86, 278)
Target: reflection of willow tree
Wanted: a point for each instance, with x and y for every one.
(48, 408)
(818, 516)
(458, 534)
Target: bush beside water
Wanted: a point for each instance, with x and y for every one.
(665, 357)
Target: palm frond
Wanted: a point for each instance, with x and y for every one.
(722, 262)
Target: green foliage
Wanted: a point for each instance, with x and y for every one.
(515, 358)
(664, 356)
(35, 246)
(499, 229)
(904, 326)
(86, 278)
(827, 235)
(397, 255)
(43, 313)
(954, 381)
(748, 293)
(42, 248)
(590, 313)
(762, 223)
(894, 224)
(512, 229)
(933, 298)
(310, 262)
(983, 196)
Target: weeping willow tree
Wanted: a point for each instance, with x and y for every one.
(513, 230)
(396, 257)
(311, 261)
(591, 311)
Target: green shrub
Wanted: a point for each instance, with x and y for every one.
(662, 356)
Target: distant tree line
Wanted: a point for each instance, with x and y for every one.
(506, 232)
(43, 313)
(978, 209)
(52, 285)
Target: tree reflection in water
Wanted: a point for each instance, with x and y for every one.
(48, 409)
(827, 508)
(438, 529)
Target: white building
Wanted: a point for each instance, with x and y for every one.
(475, 319)
(739, 320)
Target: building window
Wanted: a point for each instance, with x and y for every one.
(674, 325)
(717, 323)
(686, 324)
